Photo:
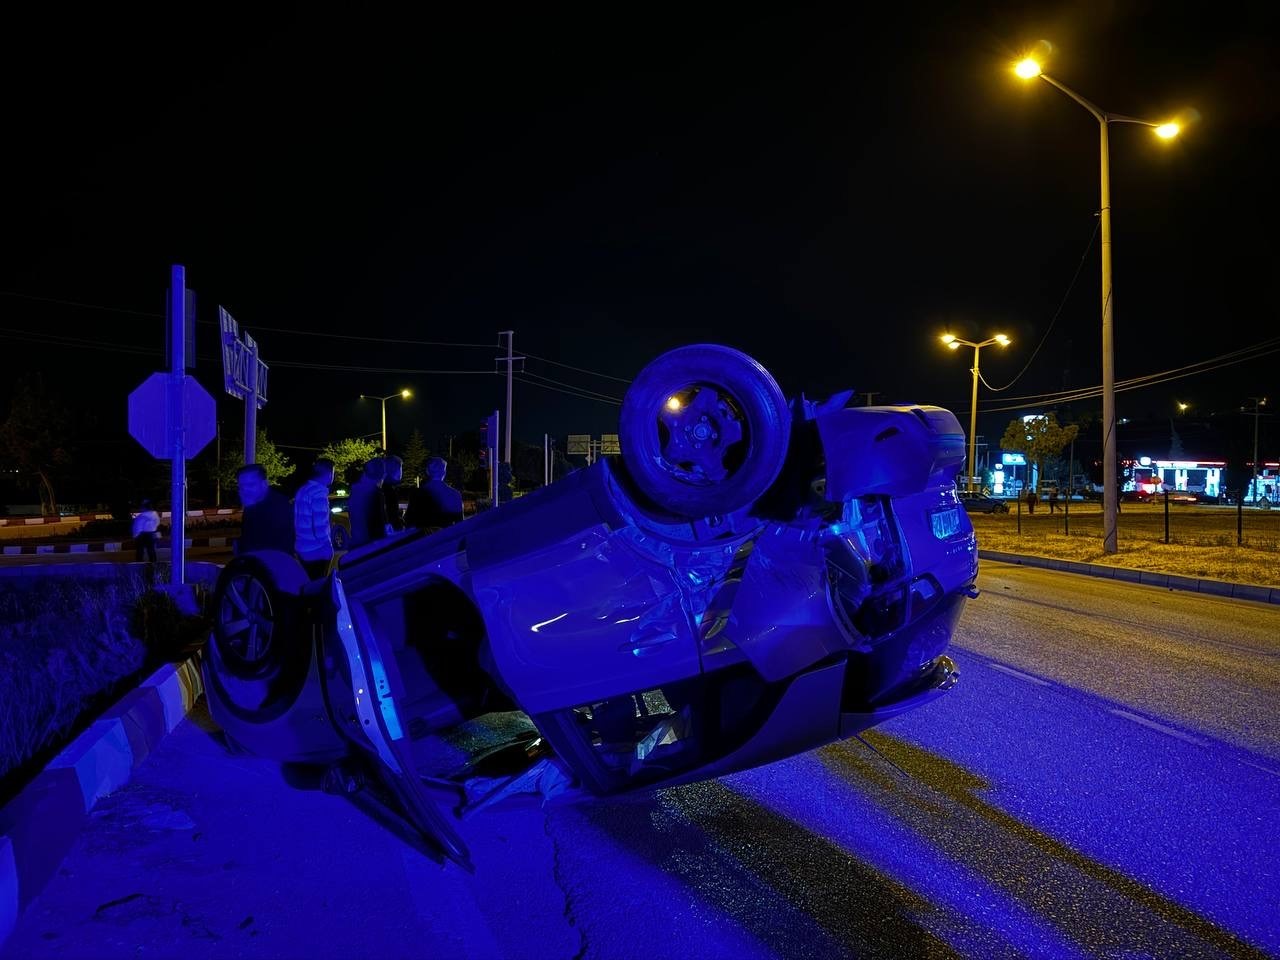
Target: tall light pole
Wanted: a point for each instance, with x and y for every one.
(1257, 402)
(1029, 69)
(403, 395)
(955, 343)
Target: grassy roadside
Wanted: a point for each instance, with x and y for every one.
(68, 647)
(1203, 541)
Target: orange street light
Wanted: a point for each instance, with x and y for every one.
(955, 343)
(1029, 69)
(403, 395)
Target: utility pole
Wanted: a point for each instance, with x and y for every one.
(1257, 403)
(510, 360)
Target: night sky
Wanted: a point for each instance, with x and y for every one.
(827, 191)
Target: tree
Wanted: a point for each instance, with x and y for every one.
(272, 460)
(527, 465)
(350, 452)
(35, 437)
(464, 471)
(414, 455)
(1041, 438)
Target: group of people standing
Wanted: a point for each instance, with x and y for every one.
(304, 527)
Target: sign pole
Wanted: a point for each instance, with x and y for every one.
(172, 416)
(177, 360)
(251, 402)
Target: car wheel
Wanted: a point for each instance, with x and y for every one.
(256, 660)
(704, 430)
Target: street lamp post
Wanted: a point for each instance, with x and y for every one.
(403, 395)
(1029, 69)
(1257, 402)
(955, 343)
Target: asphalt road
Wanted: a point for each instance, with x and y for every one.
(1103, 782)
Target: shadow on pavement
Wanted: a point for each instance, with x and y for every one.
(1096, 905)
(786, 886)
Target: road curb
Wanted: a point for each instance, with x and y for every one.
(40, 824)
(84, 517)
(110, 546)
(1171, 581)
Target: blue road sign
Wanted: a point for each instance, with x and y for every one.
(150, 419)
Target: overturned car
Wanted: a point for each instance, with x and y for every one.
(748, 580)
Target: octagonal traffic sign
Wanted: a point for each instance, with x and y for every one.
(150, 415)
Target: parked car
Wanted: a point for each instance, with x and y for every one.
(747, 580)
(981, 503)
(339, 519)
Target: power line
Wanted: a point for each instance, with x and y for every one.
(1057, 313)
(594, 373)
(58, 340)
(284, 330)
(77, 303)
(299, 365)
(1092, 392)
(255, 328)
(1234, 356)
(572, 393)
(571, 386)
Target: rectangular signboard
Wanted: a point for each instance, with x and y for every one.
(1013, 459)
(240, 360)
(609, 444)
(579, 444)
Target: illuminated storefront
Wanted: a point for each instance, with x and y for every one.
(1198, 476)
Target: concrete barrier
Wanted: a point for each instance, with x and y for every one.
(40, 824)
(113, 546)
(85, 517)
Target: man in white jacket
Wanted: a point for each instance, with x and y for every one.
(145, 525)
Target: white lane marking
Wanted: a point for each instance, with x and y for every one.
(1258, 766)
(1019, 674)
(1170, 731)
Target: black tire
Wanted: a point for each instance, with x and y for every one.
(704, 430)
(259, 652)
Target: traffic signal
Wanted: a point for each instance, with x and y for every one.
(488, 437)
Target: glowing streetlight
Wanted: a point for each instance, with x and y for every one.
(1029, 69)
(955, 343)
(673, 403)
(403, 395)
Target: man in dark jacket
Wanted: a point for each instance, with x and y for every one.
(268, 514)
(435, 503)
(394, 467)
(366, 506)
